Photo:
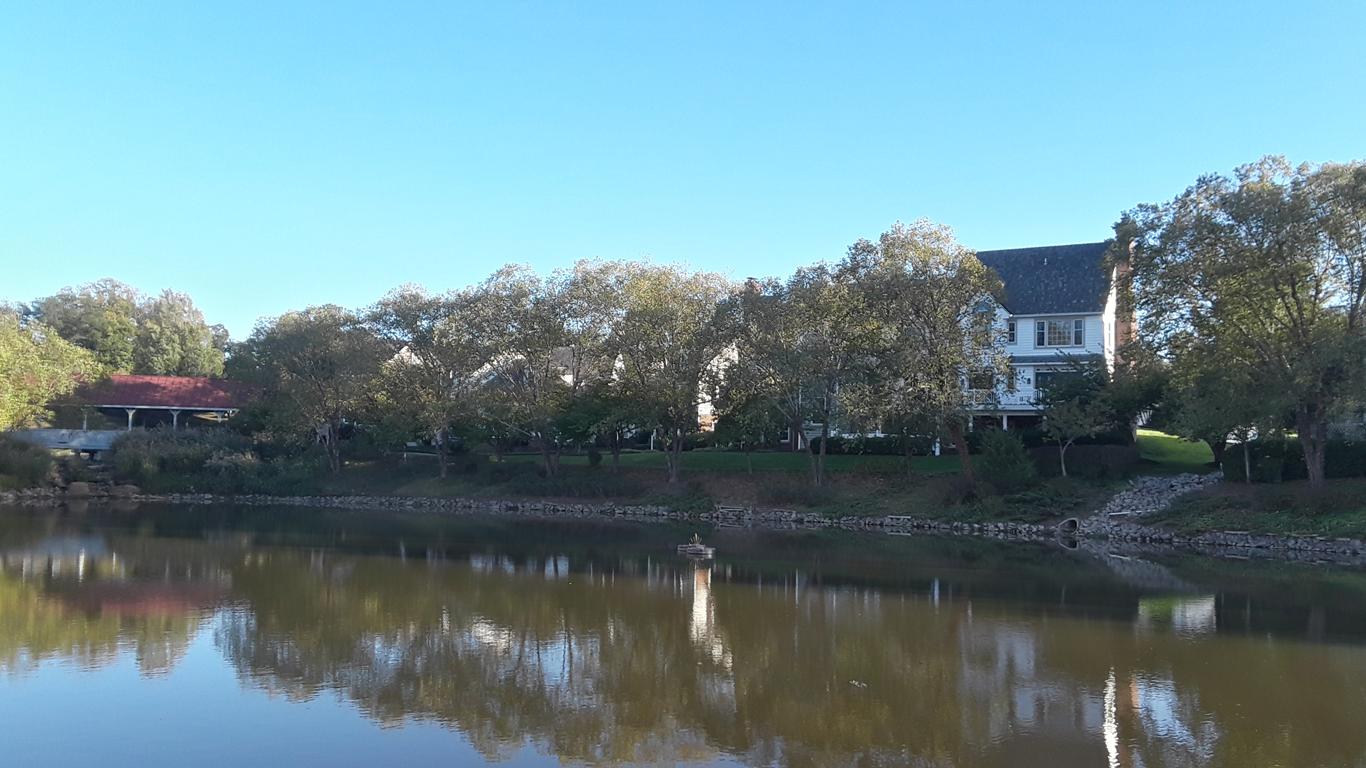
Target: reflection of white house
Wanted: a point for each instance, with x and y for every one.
(1059, 307)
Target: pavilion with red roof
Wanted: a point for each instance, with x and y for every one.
(159, 396)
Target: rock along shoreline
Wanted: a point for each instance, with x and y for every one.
(1112, 524)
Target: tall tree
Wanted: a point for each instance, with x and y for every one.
(938, 333)
(1267, 267)
(130, 333)
(801, 342)
(524, 321)
(173, 339)
(101, 316)
(36, 366)
(433, 374)
(322, 362)
(669, 339)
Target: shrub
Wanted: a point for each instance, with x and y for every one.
(1282, 458)
(1099, 462)
(209, 461)
(954, 490)
(1005, 463)
(22, 464)
(887, 445)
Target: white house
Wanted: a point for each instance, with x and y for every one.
(1059, 306)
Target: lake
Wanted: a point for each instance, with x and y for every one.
(216, 635)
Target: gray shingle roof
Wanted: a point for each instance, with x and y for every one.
(1052, 279)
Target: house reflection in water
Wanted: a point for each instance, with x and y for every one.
(1186, 616)
(88, 603)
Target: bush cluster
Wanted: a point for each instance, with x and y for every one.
(1275, 459)
(23, 465)
(1005, 463)
(1098, 462)
(208, 461)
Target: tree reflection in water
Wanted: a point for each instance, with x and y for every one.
(668, 661)
(673, 665)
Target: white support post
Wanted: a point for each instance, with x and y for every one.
(1005, 423)
(130, 411)
(175, 419)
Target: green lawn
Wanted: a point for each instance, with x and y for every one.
(734, 461)
(1172, 454)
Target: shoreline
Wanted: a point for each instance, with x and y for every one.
(1096, 532)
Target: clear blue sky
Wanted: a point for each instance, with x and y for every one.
(267, 156)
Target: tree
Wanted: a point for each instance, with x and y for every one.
(747, 421)
(548, 342)
(669, 338)
(173, 339)
(433, 374)
(800, 342)
(36, 367)
(1269, 268)
(932, 301)
(321, 364)
(1070, 420)
(1214, 401)
(130, 333)
(101, 316)
(600, 415)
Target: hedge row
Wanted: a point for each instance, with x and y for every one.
(1277, 459)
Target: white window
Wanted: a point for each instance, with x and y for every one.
(1060, 333)
(1010, 332)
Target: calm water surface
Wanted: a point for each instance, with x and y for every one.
(219, 636)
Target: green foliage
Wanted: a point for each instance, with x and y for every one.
(101, 317)
(36, 367)
(1097, 462)
(208, 461)
(689, 500)
(1277, 459)
(130, 333)
(1263, 274)
(1004, 463)
(318, 370)
(173, 339)
(1286, 509)
(22, 464)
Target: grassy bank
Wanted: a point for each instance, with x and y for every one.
(858, 487)
(1167, 454)
(1272, 508)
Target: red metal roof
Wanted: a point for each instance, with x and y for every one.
(169, 392)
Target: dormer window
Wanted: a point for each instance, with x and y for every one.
(1060, 333)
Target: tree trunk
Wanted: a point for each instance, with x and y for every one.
(441, 458)
(497, 449)
(616, 451)
(906, 447)
(334, 447)
(960, 444)
(1062, 457)
(673, 453)
(820, 463)
(749, 459)
(546, 456)
(1247, 463)
(1217, 447)
(811, 460)
(1313, 429)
